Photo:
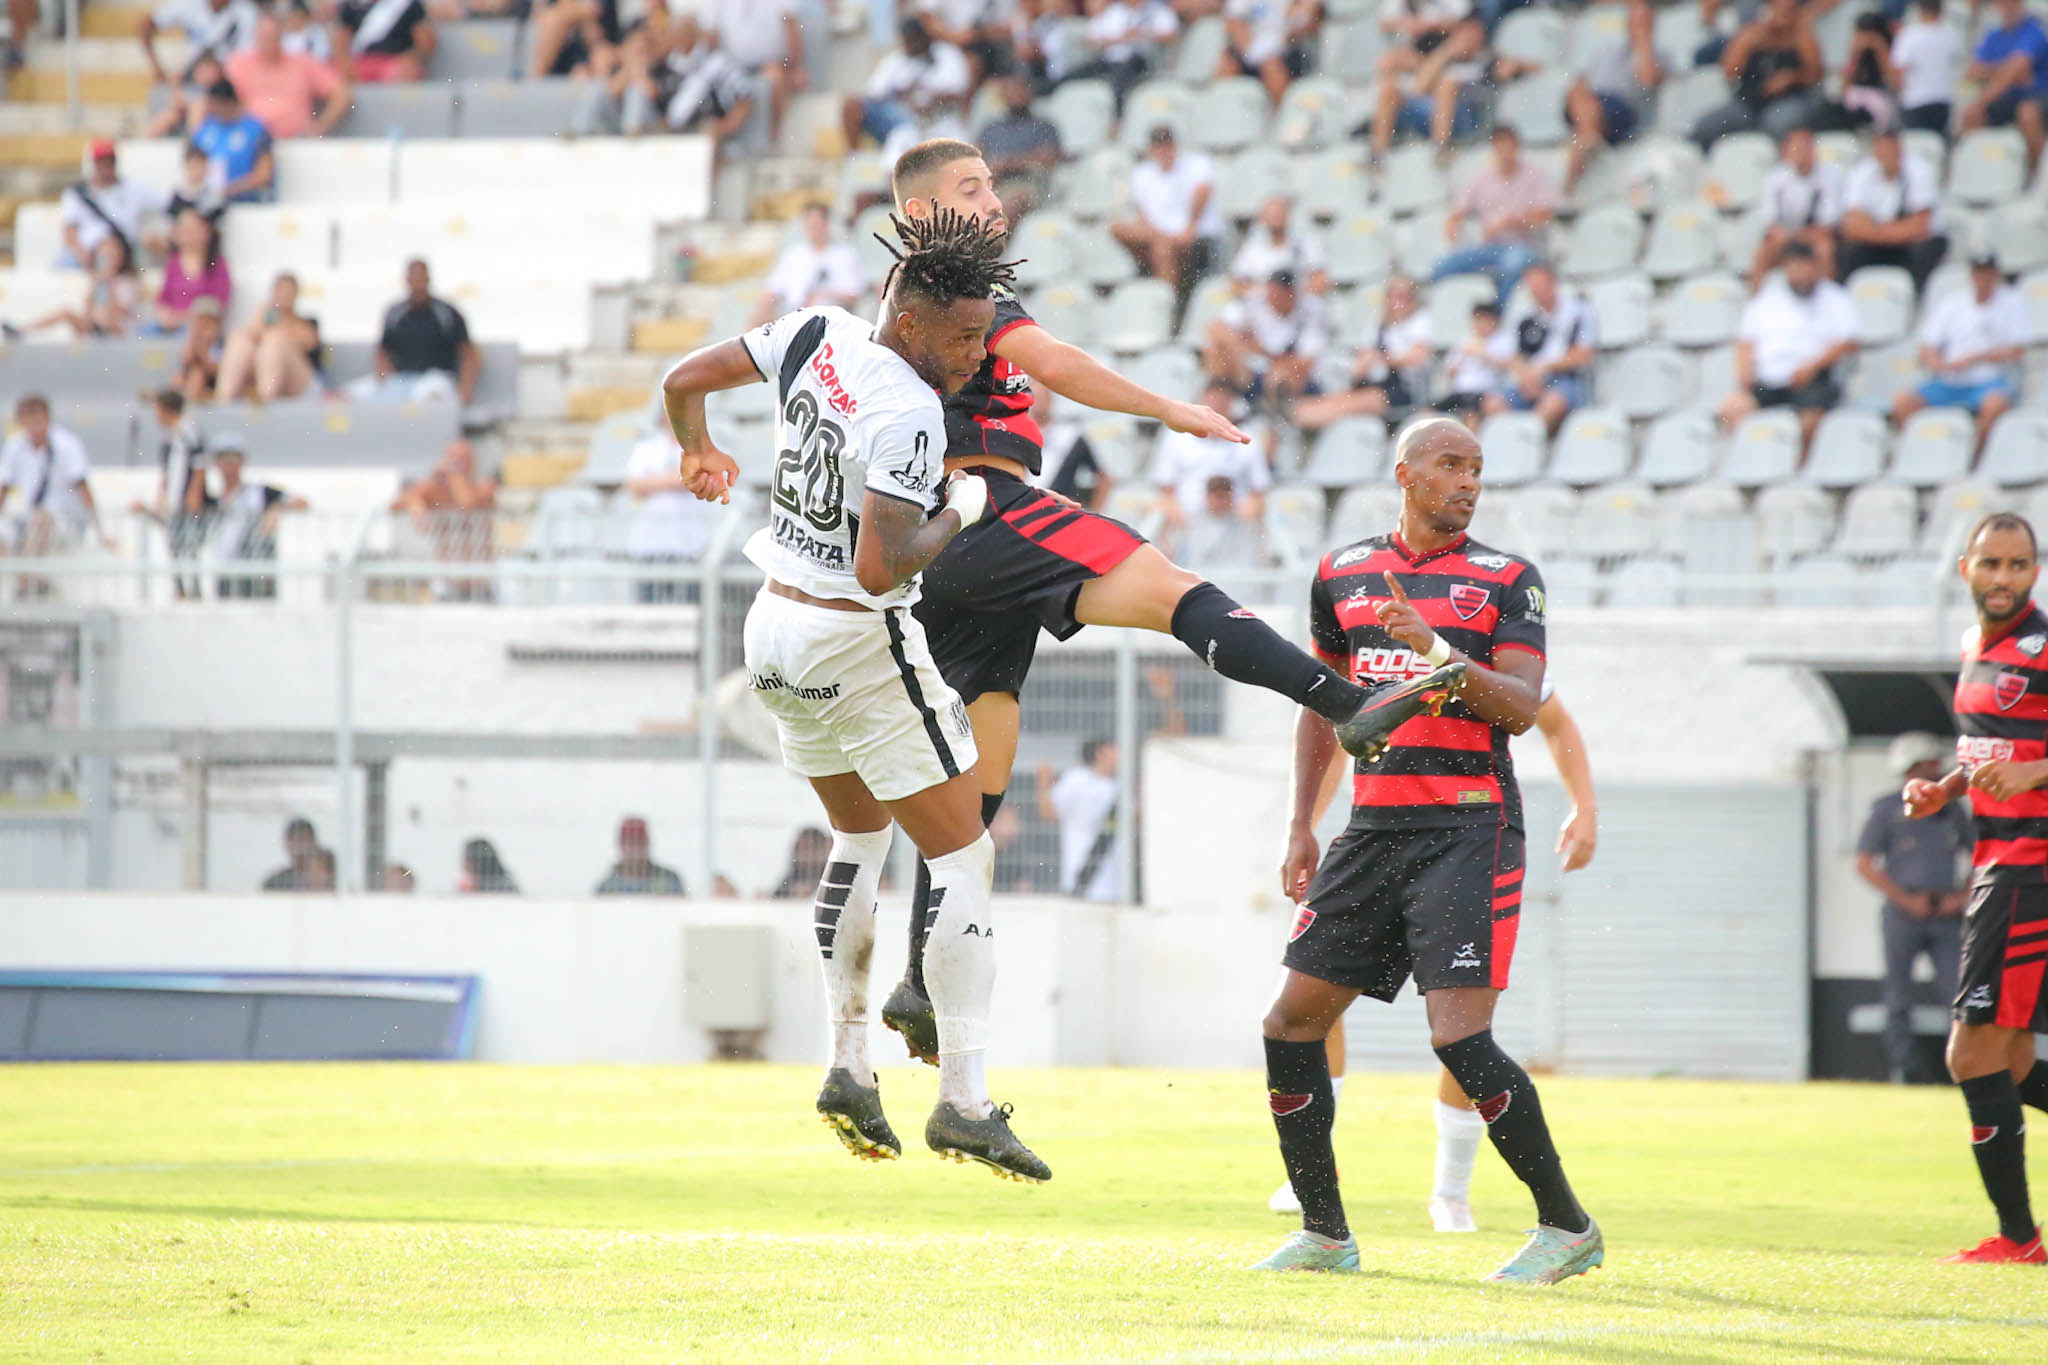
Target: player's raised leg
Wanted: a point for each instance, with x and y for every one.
(1299, 1093)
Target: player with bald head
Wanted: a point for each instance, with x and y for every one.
(1426, 880)
(1040, 562)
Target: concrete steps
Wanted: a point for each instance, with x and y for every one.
(49, 85)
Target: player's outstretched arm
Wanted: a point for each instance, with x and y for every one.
(708, 471)
(1072, 373)
(896, 541)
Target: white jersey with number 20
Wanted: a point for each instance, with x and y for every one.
(851, 415)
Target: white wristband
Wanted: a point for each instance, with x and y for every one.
(1438, 654)
(967, 494)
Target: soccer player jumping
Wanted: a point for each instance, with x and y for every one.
(2001, 708)
(1426, 881)
(1041, 562)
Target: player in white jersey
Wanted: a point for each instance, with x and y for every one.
(859, 504)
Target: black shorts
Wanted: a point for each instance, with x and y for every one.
(1441, 905)
(1018, 569)
(1295, 57)
(2005, 950)
(1823, 392)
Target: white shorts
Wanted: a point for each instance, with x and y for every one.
(856, 691)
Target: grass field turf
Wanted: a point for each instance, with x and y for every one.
(442, 1213)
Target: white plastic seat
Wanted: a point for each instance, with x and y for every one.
(1096, 186)
(1355, 314)
(1228, 114)
(1615, 521)
(1714, 379)
(1953, 508)
(1686, 95)
(1988, 166)
(1884, 300)
(1714, 535)
(1170, 370)
(1679, 448)
(1592, 447)
(1820, 580)
(1294, 520)
(1848, 449)
(1100, 258)
(1679, 33)
(1739, 236)
(1795, 519)
(1155, 104)
(2033, 289)
(1351, 47)
(2019, 234)
(1244, 182)
(875, 260)
(345, 171)
(1347, 453)
(1311, 114)
(1083, 111)
(1879, 521)
(1360, 249)
(1541, 525)
(1879, 375)
(1703, 310)
(1624, 307)
(1905, 582)
(1604, 241)
(1412, 180)
(669, 176)
(1514, 445)
(1532, 34)
(598, 241)
(1211, 297)
(1419, 243)
(1332, 184)
(1533, 106)
(1451, 300)
(1201, 49)
(1067, 311)
(1738, 163)
(1645, 381)
(1764, 449)
(1597, 28)
(1651, 580)
(1935, 447)
(38, 234)
(1684, 240)
(1369, 509)
(2017, 452)
(1138, 316)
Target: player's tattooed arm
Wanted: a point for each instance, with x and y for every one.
(896, 542)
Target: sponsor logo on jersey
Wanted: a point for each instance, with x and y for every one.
(827, 375)
(1389, 664)
(1468, 956)
(2008, 690)
(2031, 645)
(1537, 605)
(1972, 750)
(1470, 797)
(1288, 1104)
(1352, 556)
(775, 682)
(1468, 600)
(791, 536)
(1487, 561)
(1303, 918)
(1495, 1107)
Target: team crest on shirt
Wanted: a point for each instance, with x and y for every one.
(2008, 690)
(2032, 645)
(1468, 600)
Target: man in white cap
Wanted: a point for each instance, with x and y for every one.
(1916, 865)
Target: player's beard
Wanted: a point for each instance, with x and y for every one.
(1998, 618)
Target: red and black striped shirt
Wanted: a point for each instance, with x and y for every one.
(991, 414)
(2002, 713)
(1443, 770)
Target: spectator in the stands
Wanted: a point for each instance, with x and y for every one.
(1438, 47)
(764, 38)
(483, 871)
(100, 206)
(920, 81)
(1221, 533)
(1390, 370)
(275, 354)
(198, 189)
(194, 270)
(1513, 200)
(1265, 345)
(43, 469)
(1774, 65)
(1021, 149)
(382, 41)
(215, 29)
(398, 879)
(113, 297)
(289, 93)
(684, 83)
(305, 36)
(182, 503)
(1474, 373)
(320, 869)
(1182, 466)
(807, 857)
(1173, 223)
(1274, 40)
(573, 38)
(1970, 343)
(300, 843)
(453, 504)
(185, 102)
(1889, 212)
(2011, 74)
(1801, 202)
(1927, 59)
(1275, 243)
(1791, 337)
(670, 528)
(636, 873)
(245, 519)
(239, 146)
(1609, 102)
(423, 350)
(814, 270)
(976, 27)
(1120, 35)
(1547, 344)
(199, 357)
(1072, 469)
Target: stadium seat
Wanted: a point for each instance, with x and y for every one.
(262, 239)
(1879, 521)
(1906, 582)
(1951, 277)
(1876, 377)
(1848, 449)
(1688, 95)
(1311, 114)
(1245, 181)
(1368, 509)
(1539, 523)
(1170, 371)
(1332, 184)
(2033, 287)
(1114, 439)
(1622, 308)
(611, 446)
(26, 295)
(1988, 166)
(1794, 519)
(408, 435)
(1592, 447)
(2019, 234)
(1604, 241)
(476, 49)
(1935, 447)
(1495, 518)
(1412, 180)
(1534, 35)
(38, 234)
(598, 241)
(1419, 243)
(1737, 237)
(1100, 258)
(1084, 112)
(103, 370)
(1094, 186)
(670, 176)
(1211, 297)
(1597, 28)
(1355, 313)
(1046, 241)
(1202, 45)
(1450, 302)
(1067, 311)
(1615, 521)
(1136, 504)
(1138, 316)
(1954, 508)
(525, 108)
(1347, 453)
(875, 259)
(1715, 537)
(1515, 445)
(1351, 48)
(1294, 521)
(1533, 106)
(2017, 452)
(1763, 450)
(1738, 164)
(1679, 448)
(1360, 249)
(1703, 310)
(1684, 240)
(1653, 580)
(1884, 303)
(1644, 381)
(1151, 105)
(1229, 114)
(1818, 581)
(1714, 379)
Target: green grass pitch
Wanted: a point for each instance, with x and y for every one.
(472, 1213)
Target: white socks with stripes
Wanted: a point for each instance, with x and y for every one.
(844, 917)
(960, 970)
(1459, 1132)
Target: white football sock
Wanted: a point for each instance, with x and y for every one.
(960, 970)
(1458, 1133)
(843, 915)
(1336, 1092)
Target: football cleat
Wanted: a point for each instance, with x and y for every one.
(1305, 1250)
(854, 1113)
(908, 1010)
(1365, 732)
(1451, 1215)
(955, 1137)
(1552, 1254)
(2001, 1250)
(1283, 1200)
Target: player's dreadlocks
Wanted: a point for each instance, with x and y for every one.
(947, 256)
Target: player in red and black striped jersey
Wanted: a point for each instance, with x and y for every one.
(1426, 880)
(2001, 708)
(1040, 562)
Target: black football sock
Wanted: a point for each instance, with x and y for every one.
(1506, 1099)
(1237, 644)
(1998, 1128)
(2034, 1087)
(921, 900)
(1298, 1089)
